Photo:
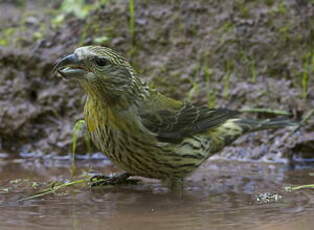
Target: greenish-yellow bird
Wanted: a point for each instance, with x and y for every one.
(142, 131)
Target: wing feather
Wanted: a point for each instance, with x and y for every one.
(174, 125)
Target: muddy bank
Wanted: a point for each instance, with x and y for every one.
(224, 53)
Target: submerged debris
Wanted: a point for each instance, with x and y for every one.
(268, 197)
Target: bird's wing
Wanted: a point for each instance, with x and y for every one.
(172, 125)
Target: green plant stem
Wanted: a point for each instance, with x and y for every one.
(132, 20)
(293, 188)
(78, 127)
(53, 188)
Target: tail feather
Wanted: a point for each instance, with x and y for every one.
(249, 125)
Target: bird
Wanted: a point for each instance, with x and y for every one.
(142, 131)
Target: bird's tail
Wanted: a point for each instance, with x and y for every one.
(249, 125)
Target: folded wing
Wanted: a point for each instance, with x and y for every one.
(173, 125)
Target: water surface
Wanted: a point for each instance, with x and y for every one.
(220, 195)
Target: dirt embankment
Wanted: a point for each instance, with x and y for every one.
(224, 53)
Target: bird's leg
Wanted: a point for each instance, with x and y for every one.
(103, 180)
(175, 185)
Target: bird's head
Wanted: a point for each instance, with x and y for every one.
(101, 71)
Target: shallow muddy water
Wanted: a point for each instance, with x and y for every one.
(220, 195)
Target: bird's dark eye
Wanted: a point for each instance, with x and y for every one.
(101, 61)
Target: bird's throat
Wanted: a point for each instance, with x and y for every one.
(99, 114)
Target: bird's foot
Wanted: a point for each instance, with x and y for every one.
(103, 180)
